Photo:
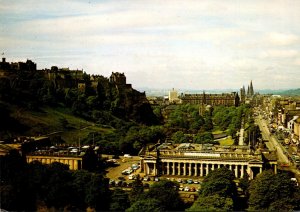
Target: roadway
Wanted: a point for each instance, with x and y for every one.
(272, 143)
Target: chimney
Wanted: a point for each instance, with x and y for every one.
(3, 60)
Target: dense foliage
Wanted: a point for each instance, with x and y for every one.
(218, 192)
(274, 192)
(185, 124)
(32, 89)
(26, 186)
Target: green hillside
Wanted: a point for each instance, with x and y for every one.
(54, 121)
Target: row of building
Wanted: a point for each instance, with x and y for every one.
(284, 114)
(225, 99)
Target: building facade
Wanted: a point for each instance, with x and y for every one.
(187, 160)
(228, 99)
(74, 162)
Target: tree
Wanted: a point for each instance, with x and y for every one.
(205, 137)
(146, 205)
(80, 187)
(90, 160)
(219, 181)
(97, 193)
(179, 137)
(218, 192)
(273, 192)
(165, 192)
(57, 191)
(119, 200)
(137, 189)
(212, 203)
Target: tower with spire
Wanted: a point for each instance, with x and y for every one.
(202, 107)
(242, 95)
(251, 92)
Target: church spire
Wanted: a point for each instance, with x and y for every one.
(251, 92)
(204, 98)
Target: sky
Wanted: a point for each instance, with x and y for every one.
(201, 44)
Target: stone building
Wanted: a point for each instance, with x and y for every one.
(173, 96)
(74, 162)
(187, 160)
(228, 99)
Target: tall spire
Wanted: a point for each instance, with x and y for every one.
(251, 89)
(248, 91)
(204, 98)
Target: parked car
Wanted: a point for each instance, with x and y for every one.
(146, 178)
(156, 179)
(189, 181)
(127, 156)
(186, 189)
(132, 177)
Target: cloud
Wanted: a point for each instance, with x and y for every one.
(187, 43)
(290, 53)
(282, 39)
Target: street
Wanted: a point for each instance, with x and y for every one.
(272, 143)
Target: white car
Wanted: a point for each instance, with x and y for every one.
(131, 177)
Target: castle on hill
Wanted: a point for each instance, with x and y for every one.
(63, 77)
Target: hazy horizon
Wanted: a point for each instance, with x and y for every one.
(190, 45)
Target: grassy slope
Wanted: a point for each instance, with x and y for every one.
(49, 120)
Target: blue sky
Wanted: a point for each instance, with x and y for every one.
(160, 44)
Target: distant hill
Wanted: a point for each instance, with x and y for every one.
(292, 92)
(289, 92)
